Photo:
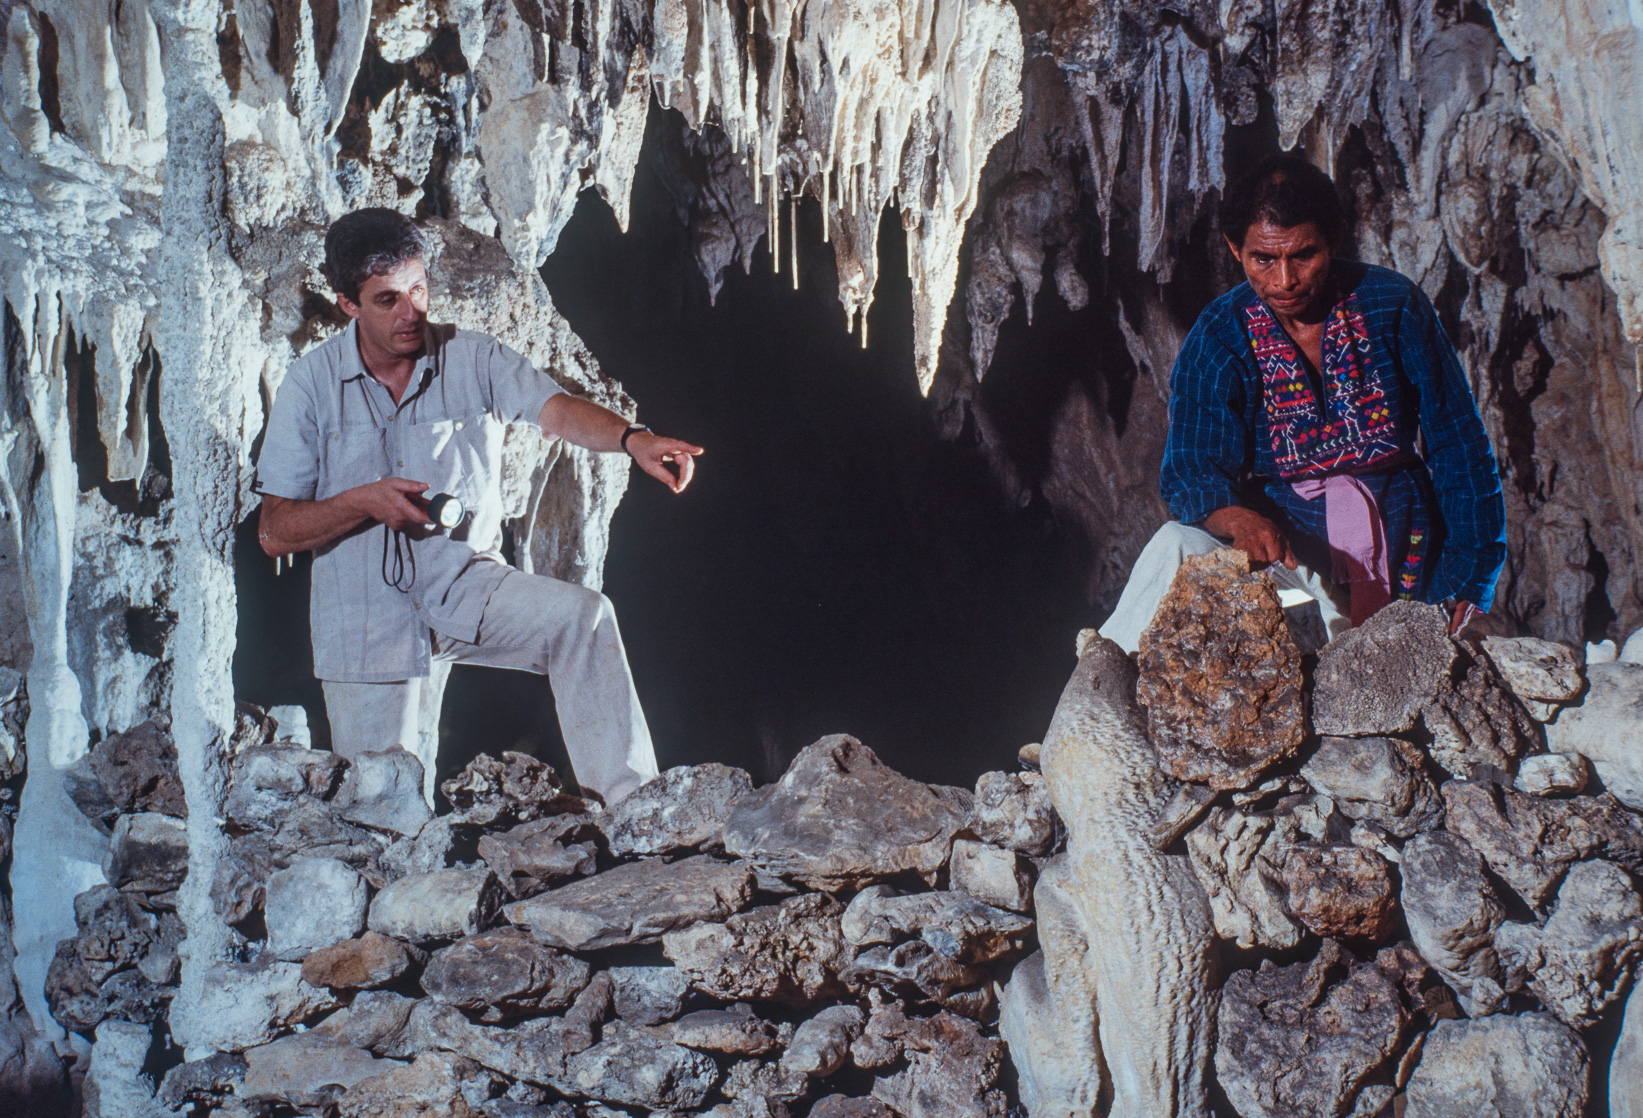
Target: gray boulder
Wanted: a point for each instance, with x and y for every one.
(630, 1067)
(313, 903)
(1530, 841)
(1052, 1076)
(791, 952)
(536, 855)
(503, 974)
(436, 1083)
(635, 903)
(1626, 1063)
(648, 995)
(840, 819)
(134, 771)
(682, 808)
(1584, 956)
(918, 972)
(502, 791)
(374, 1021)
(252, 1003)
(1304, 1039)
(1013, 810)
(1238, 858)
(207, 1081)
(1551, 774)
(1529, 1066)
(446, 904)
(1453, 915)
(264, 781)
(1378, 779)
(951, 1069)
(1539, 672)
(383, 790)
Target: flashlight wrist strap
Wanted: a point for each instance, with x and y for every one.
(633, 429)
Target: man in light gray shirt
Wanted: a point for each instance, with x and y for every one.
(365, 429)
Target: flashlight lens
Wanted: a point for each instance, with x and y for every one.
(447, 510)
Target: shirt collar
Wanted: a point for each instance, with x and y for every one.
(351, 367)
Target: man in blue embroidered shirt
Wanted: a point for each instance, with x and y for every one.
(1295, 407)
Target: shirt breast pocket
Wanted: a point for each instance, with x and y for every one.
(457, 456)
(350, 454)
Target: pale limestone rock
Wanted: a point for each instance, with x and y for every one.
(1536, 669)
(383, 790)
(210, 1080)
(635, 903)
(373, 1021)
(735, 1031)
(1606, 728)
(532, 856)
(433, 1084)
(445, 904)
(1238, 858)
(1626, 1064)
(683, 807)
(648, 995)
(841, 818)
(633, 1068)
(1144, 916)
(992, 874)
(1528, 1066)
(1453, 915)
(1550, 774)
(313, 903)
(115, 1086)
(821, 1045)
(252, 1003)
(1013, 812)
(1581, 960)
(300, 1070)
(958, 926)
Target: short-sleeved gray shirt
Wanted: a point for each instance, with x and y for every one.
(333, 427)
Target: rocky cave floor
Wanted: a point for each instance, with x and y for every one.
(1417, 854)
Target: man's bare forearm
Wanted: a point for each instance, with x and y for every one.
(583, 423)
(288, 526)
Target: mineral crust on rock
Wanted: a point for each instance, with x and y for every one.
(635, 903)
(1379, 677)
(1536, 669)
(1528, 1066)
(433, 1084)
(383, 790)
(956, 925)
(1238, 858)
(512, 788)
(1013, 812)
(840, 819)
(534, 856)
(445, 904)
(1581, 960)
(1220, 674)
(305, 1070)
(1304, 1039)
(313, 903)
(634, 1068)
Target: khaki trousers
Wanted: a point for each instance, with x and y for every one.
(532, 623)
(1155, 569)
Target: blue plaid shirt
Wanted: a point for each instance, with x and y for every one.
(1219, 453)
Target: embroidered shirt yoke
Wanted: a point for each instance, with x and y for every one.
(1390, 374)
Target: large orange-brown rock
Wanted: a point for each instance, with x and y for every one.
(1221, 674)
(1341, 892)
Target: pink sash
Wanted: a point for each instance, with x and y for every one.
(1357, 540)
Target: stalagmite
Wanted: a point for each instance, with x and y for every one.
(1145, 915)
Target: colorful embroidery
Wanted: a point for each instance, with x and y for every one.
(1358, 430)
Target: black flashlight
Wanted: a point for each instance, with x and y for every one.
(445, 511)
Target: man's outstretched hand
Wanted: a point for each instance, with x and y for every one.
(1251, 533)
(670, 461)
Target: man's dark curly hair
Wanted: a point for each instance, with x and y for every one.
(1286, 191)
(369, 243)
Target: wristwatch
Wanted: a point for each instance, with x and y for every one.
(633, 428)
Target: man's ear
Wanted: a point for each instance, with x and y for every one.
(347, 305)
(1237, 249)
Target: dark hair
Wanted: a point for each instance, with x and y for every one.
(369, 243)
(1286, 191)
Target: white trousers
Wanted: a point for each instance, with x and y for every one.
(1155, 569)
(532, 623)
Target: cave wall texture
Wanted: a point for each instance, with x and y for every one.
(168, 168)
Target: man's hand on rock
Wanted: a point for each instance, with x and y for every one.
(1251, 533)
(394, 501)
(656, 454)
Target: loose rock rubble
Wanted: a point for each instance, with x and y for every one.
(1418, 909)
(483, 962)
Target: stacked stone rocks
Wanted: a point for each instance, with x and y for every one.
(830, 944)
(1419, 890)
